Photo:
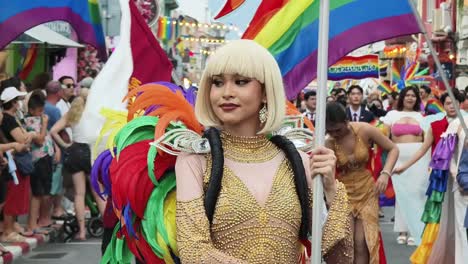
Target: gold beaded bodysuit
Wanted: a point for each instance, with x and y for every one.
(353, 172)
(258, 214)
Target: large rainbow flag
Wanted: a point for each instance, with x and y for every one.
(289, 30)
(83, 15)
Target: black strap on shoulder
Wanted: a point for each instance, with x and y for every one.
(214, 184)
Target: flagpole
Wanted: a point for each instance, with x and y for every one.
(322, 76)
(439, 68)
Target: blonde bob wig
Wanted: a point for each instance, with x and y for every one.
(248, 59)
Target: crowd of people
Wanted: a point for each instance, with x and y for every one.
(410, 129)
(41, 152)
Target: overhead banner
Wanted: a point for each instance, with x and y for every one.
(355, 68)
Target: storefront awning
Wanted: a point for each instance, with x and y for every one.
(42, 34)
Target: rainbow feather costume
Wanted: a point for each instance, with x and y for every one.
(137, 169)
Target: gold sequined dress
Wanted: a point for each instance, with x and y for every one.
(353, 172)
(258, 214)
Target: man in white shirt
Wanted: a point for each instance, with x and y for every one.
(68, 88)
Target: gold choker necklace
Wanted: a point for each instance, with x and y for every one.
(255, 149)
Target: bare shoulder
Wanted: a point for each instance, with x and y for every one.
(189, 170)
(188, 161)
(362, 126)
(365, 128)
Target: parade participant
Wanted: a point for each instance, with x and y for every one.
(437, 248)
(410, 187)
(356, 111)
(392, 101)
(241, 197)
(351, 142)
(310, 99)
(77, 158)
(432, 136)
(460, 194)
(376, 108)
(425, 94)
(246, 103)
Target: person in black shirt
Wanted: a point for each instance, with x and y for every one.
(18, 196)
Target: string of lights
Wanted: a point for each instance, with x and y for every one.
(204, 40)
(174, 21)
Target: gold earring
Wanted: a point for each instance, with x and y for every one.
(263, 114)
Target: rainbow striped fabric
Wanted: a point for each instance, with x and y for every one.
(434, 106)
(27, 65)
(18, 16)
(355, 68)
(289, 30)
(385, 87)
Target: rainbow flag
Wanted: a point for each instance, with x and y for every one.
(28, 62)
(83, 15)
(384, 87)
(355, 68)
(396, 75)
(434, 106)
(289, 30)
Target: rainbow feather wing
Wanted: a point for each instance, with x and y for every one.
(115, 121)
(140, 179)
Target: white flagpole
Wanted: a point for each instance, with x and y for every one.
(322, 76)
(439, 68)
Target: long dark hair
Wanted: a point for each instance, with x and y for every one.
(291, 153)
(335, 113)
(401, 98)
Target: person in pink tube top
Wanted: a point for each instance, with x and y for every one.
(406, 132)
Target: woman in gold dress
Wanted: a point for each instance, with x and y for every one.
(351, 142)
(249, 201)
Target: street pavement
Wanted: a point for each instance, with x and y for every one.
(396, 254)
(88, 252)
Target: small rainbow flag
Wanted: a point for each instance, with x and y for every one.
(396, 76)
(289, 30)
(18, 16)
(434, 106)
(355, 68)
(384, 87)
(28, 63)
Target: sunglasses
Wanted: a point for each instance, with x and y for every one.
(70, 85)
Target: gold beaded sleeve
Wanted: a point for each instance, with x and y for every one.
(193, 236)
(337, 240)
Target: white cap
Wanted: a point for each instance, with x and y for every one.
(10, 93)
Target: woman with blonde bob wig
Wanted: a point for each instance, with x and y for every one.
(249, 200)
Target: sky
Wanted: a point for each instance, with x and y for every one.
(239, 18)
